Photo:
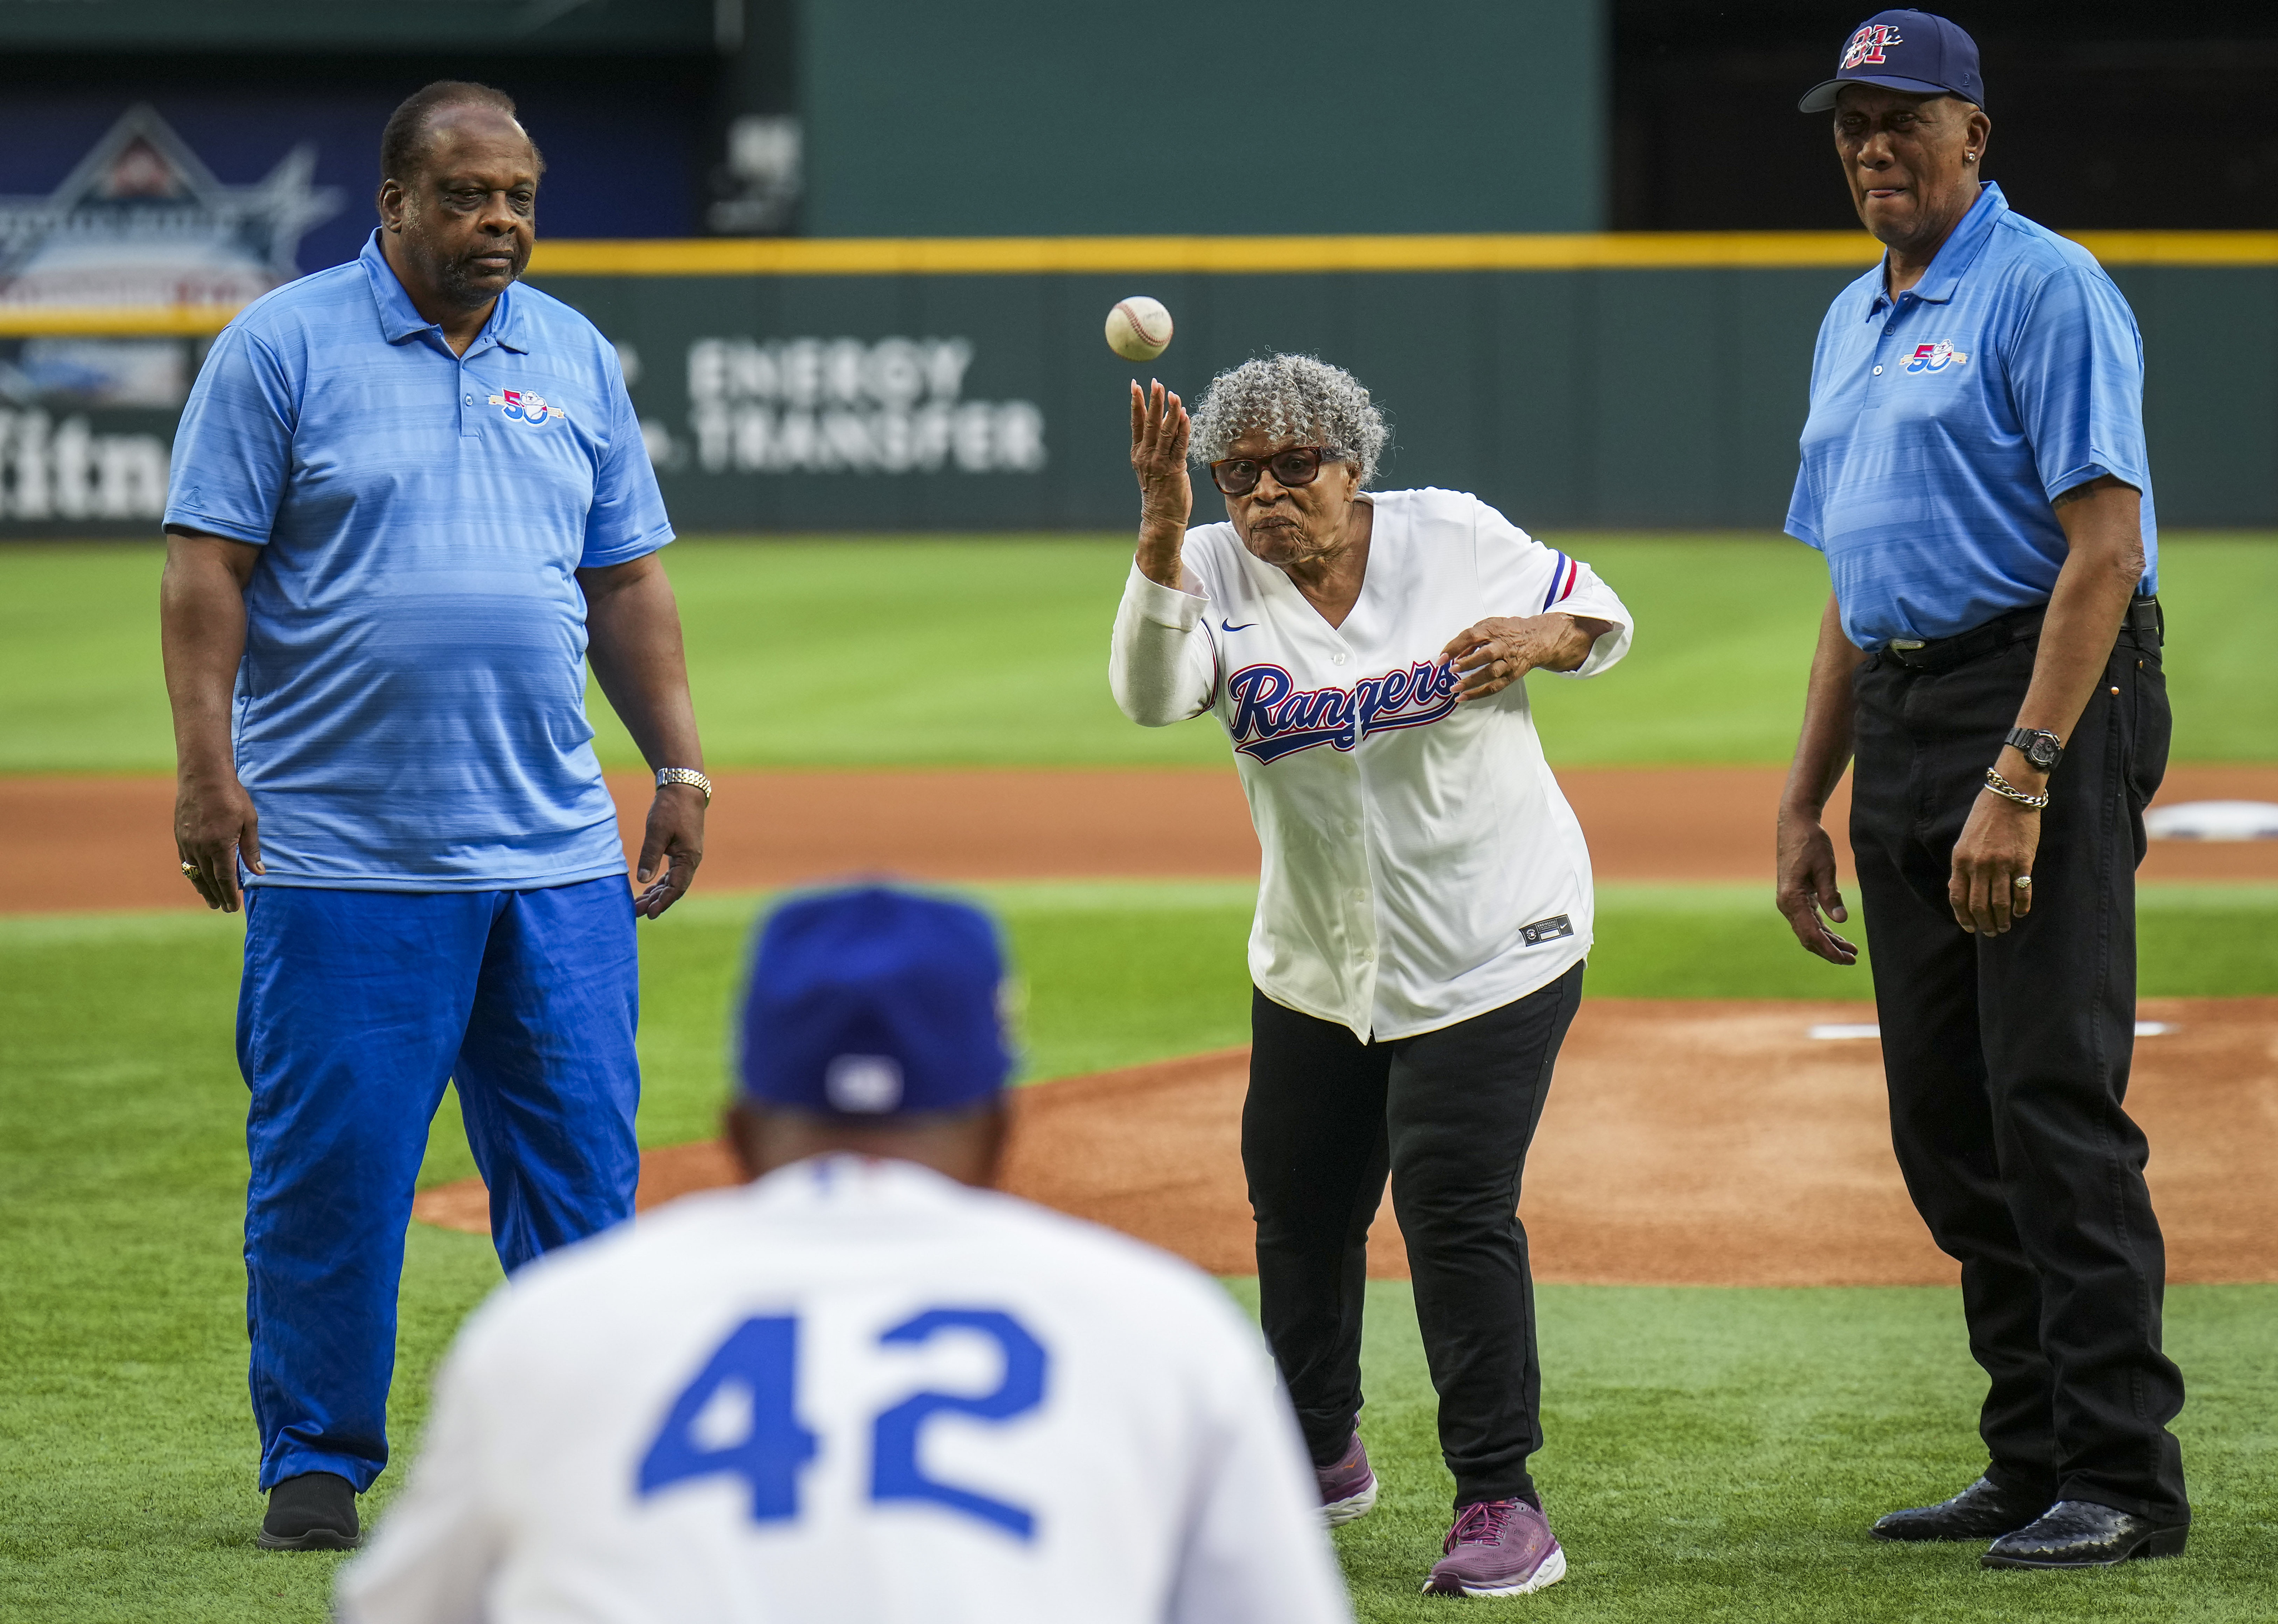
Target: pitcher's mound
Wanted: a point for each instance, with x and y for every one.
(1685, 1143)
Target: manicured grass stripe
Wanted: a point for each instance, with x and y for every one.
(999, 654)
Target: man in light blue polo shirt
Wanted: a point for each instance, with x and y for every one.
(1973, 470)
(409, 501)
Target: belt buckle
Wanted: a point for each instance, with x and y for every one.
(1906, 645)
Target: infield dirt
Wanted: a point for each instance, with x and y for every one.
(1685, 1143)
(70, 844)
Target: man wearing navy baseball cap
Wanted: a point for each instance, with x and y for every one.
(1973, 469)
(860, 1386)
(1905, 50)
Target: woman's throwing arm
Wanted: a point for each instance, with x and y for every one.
(1159, 663)
(1166, 497)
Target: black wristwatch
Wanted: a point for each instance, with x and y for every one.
(2044, 750)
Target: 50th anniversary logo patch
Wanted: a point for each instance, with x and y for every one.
(1935, 357)
(522, 407)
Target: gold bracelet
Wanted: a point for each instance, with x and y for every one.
(2007, 791)
(684, 775)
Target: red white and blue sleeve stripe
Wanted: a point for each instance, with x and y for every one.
(1562, 580)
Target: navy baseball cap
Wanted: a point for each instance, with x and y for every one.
(876, 1002)
(1904, 50)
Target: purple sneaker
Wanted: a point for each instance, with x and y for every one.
(1348, 1487)
(1497, 1548)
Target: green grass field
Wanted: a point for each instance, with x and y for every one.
(1714, 1454)
(996, 652)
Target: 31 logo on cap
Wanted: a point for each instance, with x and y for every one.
(1866, 45)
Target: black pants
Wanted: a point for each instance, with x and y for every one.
(1450, 1114)
(2007, 1061)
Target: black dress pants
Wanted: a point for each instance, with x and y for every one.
(2008, 1061)
(1450, 1114)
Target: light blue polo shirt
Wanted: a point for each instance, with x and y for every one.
(410, 711)
(1943, 426)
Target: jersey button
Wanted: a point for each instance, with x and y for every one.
(1336, 659)
(1878, 372)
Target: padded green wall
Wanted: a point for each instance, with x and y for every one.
(1667, 398)
(1569, 399)
(1224, 117)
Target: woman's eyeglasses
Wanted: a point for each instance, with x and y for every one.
(1238, 476)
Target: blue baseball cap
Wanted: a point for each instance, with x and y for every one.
(1904, 50)
(875, 1002)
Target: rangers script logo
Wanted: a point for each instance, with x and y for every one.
(1271, 720)
(1866, 45)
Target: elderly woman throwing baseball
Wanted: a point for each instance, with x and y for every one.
(1425, 906)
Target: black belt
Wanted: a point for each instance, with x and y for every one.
(2143, 622)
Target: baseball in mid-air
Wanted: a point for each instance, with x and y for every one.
(1139, 328)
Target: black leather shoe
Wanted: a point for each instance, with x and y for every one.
(1979, 1512)
(313, 1511)
(2082, 1534)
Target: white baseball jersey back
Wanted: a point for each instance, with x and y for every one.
(855, 1390)
(1421, 866)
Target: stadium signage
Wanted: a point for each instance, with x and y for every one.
(139, 222)
(52, 471)
(142, 221)
(846, 405)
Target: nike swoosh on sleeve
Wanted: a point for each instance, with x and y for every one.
(1244, 626)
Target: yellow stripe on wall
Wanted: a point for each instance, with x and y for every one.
(123, 320)
(1200, 255)
(1223, 256)
(2180, 248)
(1190, 256)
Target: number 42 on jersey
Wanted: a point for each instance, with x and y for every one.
(760, 1362)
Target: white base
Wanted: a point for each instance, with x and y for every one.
(1350, 1509)
(1553, 1570)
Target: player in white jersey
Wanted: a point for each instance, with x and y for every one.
(1425, 905)
(861, 1386)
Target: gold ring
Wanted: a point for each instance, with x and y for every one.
(190, 869)
(2023, 881)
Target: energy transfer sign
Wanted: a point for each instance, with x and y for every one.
(142, 221)
(846, 405)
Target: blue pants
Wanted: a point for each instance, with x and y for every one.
(356, 1009)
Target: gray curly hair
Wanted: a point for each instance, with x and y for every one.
(1290, 396)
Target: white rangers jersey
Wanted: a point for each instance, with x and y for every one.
(855, 1390)
(1420, 865)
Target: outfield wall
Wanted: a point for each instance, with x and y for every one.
(1585, 381)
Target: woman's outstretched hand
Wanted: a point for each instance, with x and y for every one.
(1166, 497)
(1497, 651)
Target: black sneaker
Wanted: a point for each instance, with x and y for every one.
(2082, 1534)
(1979, 1512)
(313, 1511)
